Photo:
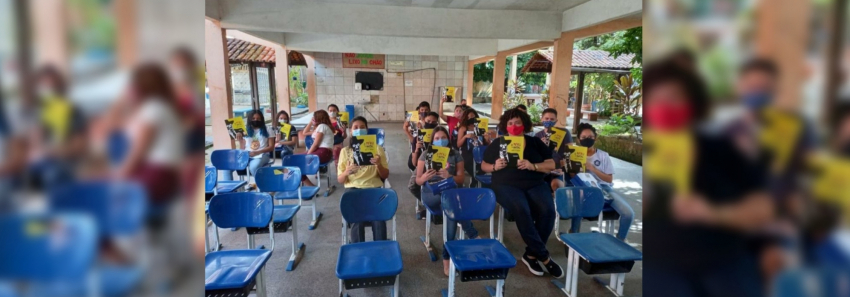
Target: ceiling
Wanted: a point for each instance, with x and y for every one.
(529, 5)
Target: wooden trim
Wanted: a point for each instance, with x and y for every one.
(527, 48)
(606, 27)
(483, 59)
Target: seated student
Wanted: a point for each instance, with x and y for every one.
(521, 190)
(463, 102)
(432, 120)
(258, 141)
(452, 121)
(549, 119)
(286, 142)
(339, 129)
(598, 162)
(355, 177)
(454, 170)
(468, 139)
(410, 128)
(323, 140)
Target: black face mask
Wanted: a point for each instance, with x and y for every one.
(257, 124)
(587, 142)
(422, 115)
(430, 125)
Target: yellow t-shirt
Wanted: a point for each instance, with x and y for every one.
(367, 176)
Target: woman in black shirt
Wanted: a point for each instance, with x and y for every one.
(522, 191)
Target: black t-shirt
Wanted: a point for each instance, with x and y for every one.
(535, 152)
(722, 175)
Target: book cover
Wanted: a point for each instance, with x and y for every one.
(425, 135)
(285, 129)
(779, 136)
(412, 116)
(437, 158)
(56, 115)
(669, 158)
(576, 157)
(364, 148)
(555, 138)
(234, 126)
(483, 124)
(343, 118)
(511, 148)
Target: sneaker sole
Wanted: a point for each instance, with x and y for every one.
(559, 266)
(529, 268)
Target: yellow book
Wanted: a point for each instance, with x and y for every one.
(511, 149)
(668, 158)
(450, 94)
(413, 116)
(437, 157)
(364, 148)
(343, 118)
(56, 115)
(425, 135)
(483, 125)
(285, 129)
(577, 159)
(830, 180)
(779, 136)
(556, 138)
(235, 125)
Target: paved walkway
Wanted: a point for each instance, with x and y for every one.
(315, 272)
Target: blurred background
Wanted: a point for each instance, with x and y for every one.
(101, 147)
(747, 122)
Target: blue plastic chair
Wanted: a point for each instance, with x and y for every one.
(308, 140)
(30, 254)
(478, 157)
(309, 165)
(609, 221)
(117, 147)
(373, 263)
(594, 253)
(230, 160)
(283, 179)
(380, 135)
(234, 272)
(119, 209)
(475, 259)
(210, 179)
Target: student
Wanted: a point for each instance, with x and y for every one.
(432, 120)
(338, 128)
(288, 143)
(598, 162)
(468, 139)
(410, 128)
(463, 102)
(355, 177)
(453, 120)
(549, 119)
(257, 140)
(522, 191)
(454, 170)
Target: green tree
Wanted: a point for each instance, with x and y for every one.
(625, 42)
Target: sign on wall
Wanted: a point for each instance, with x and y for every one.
(372, 61)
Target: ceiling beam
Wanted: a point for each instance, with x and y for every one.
(482, 59)
(599, 11)
(527, 48)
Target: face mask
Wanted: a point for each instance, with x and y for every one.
(359, 132)
(516, 130)
(333, 114)
(430, 125)
(441, 142)
(667, 117)
(757, 100)
(549, 124)
(587, 142)
(422, 115)
(257, 124)
(283, 121)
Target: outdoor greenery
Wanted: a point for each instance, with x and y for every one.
(627, 95)
(298, 95)
(618, 125)
(535, 111)
(484, 71)
(513, 95)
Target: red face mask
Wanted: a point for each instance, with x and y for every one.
(515, 130)
(667, 117)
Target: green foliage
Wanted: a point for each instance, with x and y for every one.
(604, 108)
(625, 42)
(513, 95)
(535, 111)
(618, 125)
(627, 94)
(483, 72)
(296, 87)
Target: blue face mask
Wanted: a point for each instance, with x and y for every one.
(757, 100)
(441, 142)
(359, 132)
(549, 124)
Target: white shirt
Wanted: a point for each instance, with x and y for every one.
(327, 136)
(167, 147)
(257, 142)
(601, 161)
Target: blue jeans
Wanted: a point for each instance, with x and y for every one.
(254, 164)
(434, 202)
(619, 204)
(534, 213)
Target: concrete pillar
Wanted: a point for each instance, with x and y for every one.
(513, 68)
(127, 39)
(782, 34)
(218, 79)
(498, 85)
(470, 67)
(51, 34)
(312, 101)
(281, 80)
(559, 89)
